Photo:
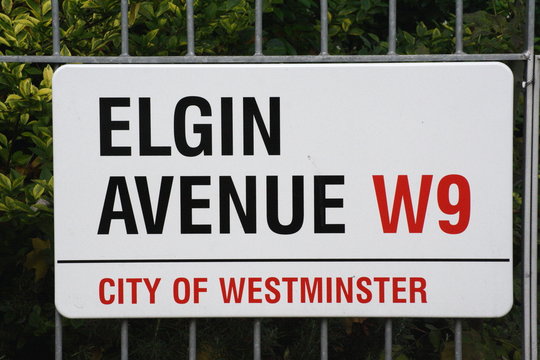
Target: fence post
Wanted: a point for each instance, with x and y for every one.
(530, 196)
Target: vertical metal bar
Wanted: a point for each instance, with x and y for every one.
(55, 14)
(55, 27)
(527, 235)
(392, 24)
(258, 26)
(124, 8)
(257, 339)
(57, 336)
(458, 352)
(534, 211)
(530, 209)
(193, 339)
(459, 26)
(324, 27)
(324, 339)
(190, 29)
(388, 340)
(124, 340)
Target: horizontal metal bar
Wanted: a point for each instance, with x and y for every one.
(260, 59)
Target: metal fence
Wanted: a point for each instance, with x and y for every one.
(530, 85)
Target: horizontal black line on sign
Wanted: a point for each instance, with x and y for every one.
(122, 261)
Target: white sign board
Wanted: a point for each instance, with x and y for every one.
(283, 190)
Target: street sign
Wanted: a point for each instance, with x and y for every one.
(283, 190)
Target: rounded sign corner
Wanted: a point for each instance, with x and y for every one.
(59, 73)
(504, 309)
(64, 312)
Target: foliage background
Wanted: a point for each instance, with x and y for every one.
(223, 27)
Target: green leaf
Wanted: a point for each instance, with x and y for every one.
(211, 10)
(333, 30)
(356, 31)
(11, 38)
(345, 24)
(5, 182)
(37, 191)
(7, 5)
(47, 75)
(133, 12)
(421, 29)
(28, 20)
(19, 27)
(306, 3)
(25, 87)
(228, 24)
(17, 70)
(24, 118)
(151, 34)
(46, 7)
(409, 38)
(231, 4)
(21, 159)
(17, 182)
(374, 37)
(174, 8)
(34, 5)
(4, 18)
(64, 51)
(44, 92)
(4, 154)
(346, 12)
(37, 259)
(163, 7)
(147, 10)
(3, 140)
(13, 98)
(19, 205)
(9, 202)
